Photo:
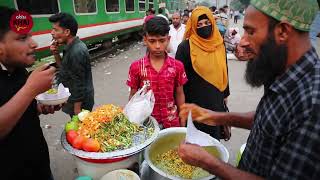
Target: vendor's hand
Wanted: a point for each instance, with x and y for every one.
(193, 154)
(47, 109)
(199, 114)
(40, 80)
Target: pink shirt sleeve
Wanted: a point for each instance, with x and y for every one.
(133, 80)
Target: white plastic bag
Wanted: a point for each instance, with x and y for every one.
(140, 106)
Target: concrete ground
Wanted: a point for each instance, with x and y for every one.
(110, 74)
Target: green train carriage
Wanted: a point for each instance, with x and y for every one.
(173, 5)
(99, 20)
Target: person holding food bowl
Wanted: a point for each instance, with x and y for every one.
(75, 68)
(23, 149)
(284, 141)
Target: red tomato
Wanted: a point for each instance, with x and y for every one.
(71, 135)
(78, 142)
(91, 145)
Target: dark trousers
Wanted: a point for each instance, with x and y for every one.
(235, 19)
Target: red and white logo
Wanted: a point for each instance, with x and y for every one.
(21, 22)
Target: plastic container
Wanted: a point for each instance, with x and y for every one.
(121, 174)
(84, 178)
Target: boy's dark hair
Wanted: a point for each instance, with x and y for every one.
(160, 10)
(66, 21)
(5, 16)
(156, 26)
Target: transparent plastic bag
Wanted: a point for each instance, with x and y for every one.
(140, 105)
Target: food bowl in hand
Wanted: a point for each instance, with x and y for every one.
(53, 99)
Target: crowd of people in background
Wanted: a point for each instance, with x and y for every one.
(222, 16)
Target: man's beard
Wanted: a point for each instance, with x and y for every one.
(268, 65)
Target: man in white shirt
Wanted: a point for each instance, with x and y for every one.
(176, 34)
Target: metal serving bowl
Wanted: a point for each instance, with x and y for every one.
(168, 139)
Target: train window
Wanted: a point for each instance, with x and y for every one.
(129, 5)
(112, 5)
(142, 5)
(85, 6)
(150, 4)
(38, 7)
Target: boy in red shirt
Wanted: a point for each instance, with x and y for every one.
(165, 75)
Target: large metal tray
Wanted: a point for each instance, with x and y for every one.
(140, 142)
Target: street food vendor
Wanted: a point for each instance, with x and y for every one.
(284, 142)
